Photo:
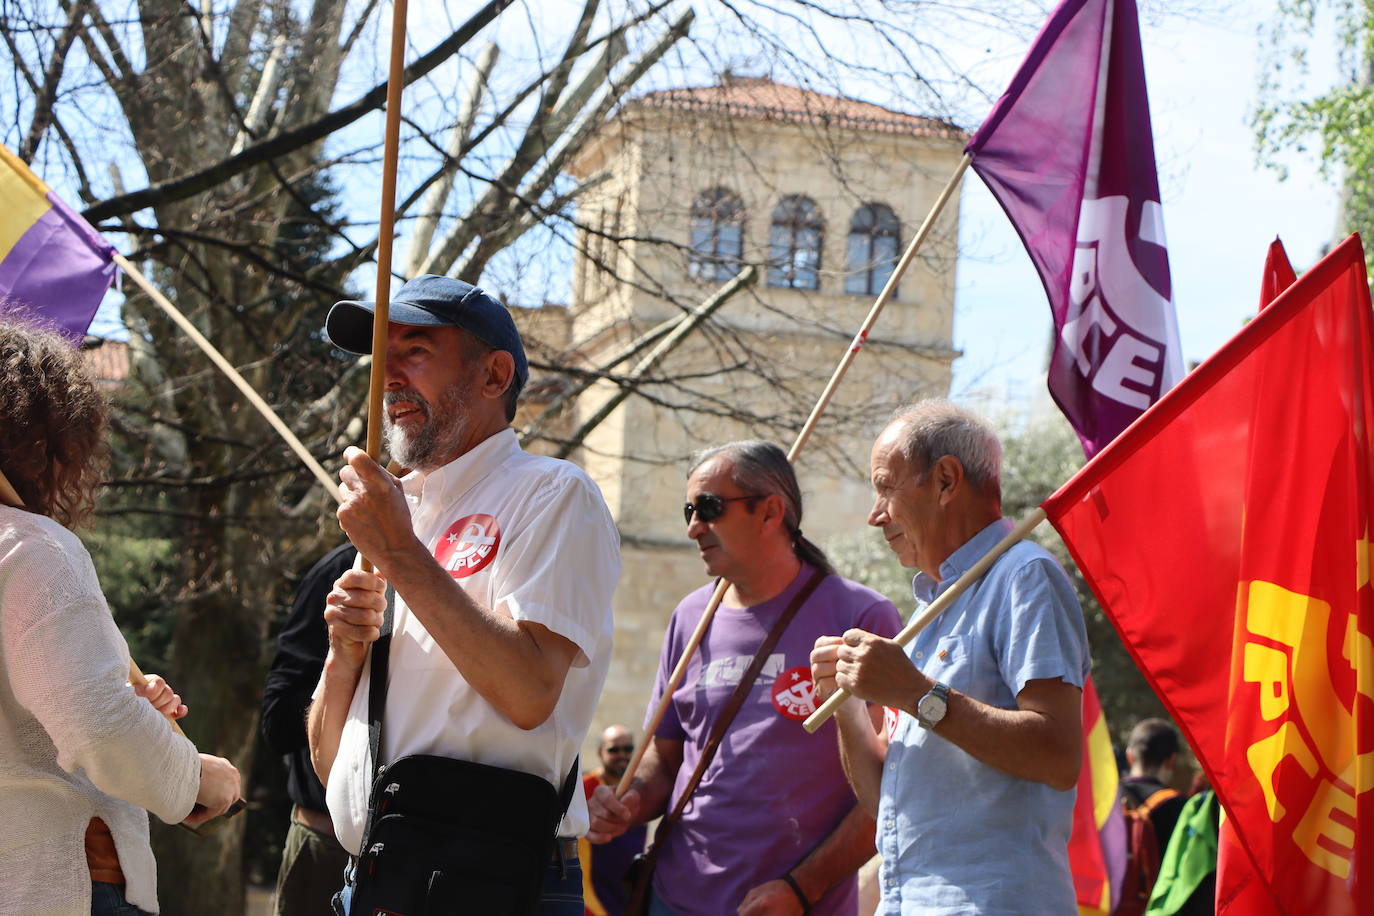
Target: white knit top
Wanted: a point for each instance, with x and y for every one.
(75, 741)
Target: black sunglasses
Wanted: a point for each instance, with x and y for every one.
(621, 749)
(708, 506)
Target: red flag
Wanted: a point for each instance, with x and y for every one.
(1278, 273)
(1227, 535)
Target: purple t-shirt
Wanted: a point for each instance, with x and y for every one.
(773, 792)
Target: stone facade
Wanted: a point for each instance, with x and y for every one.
(770, 348)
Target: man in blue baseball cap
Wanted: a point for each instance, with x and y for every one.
(433, 301)
(503, 563)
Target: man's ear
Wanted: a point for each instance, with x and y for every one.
(773, 508)
(498, 367)
(949, 476)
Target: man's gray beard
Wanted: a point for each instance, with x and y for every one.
(436, 443)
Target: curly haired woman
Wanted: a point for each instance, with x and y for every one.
(82, 753)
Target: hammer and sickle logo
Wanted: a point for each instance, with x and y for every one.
(468, 545)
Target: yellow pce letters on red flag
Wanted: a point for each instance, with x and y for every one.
(1305, 719)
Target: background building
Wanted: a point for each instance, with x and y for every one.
(822, 194)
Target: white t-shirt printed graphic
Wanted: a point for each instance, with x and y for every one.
(535, 540)
(729, 671)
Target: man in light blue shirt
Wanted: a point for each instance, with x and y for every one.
(973, 783)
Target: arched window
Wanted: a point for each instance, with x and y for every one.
(874, 235)
(717, 235)
(794, 244)
(601, 248)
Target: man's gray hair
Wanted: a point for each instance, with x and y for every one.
(934, 427)
(761, 467)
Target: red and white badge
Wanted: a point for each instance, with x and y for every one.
(468, 545)
(794, 695)
(891, 716)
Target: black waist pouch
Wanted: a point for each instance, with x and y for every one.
(448, 837)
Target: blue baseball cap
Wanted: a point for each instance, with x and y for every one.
(433, 301)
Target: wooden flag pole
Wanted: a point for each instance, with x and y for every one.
(200, 340)
(888, 289)
(936, 608)
(386, 227)
(680, 669)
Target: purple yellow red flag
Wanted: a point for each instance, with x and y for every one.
(53, 265)
(1227, 534)
(1068, 153)
(1097, 845)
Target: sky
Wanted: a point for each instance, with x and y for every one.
(1221, 207)
(1221, 211)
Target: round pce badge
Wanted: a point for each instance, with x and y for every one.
(794, 695)
(468, 545)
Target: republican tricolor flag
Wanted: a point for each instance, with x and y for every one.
(53, 265)
(1097, 843)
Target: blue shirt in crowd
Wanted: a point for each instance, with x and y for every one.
(957, 836)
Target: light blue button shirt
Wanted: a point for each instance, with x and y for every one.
(957, 836)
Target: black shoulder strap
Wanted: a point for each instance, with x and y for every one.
(565, 794)
(376, 687)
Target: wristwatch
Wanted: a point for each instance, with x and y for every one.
(931, 708)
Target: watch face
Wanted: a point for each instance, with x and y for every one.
(931, 709)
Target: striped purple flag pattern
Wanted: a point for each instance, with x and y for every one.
(53, 265)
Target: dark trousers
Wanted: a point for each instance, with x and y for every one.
(562, 894)
(310, 867)
(108, 900)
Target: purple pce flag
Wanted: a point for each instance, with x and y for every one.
(53, 265)
(1068, 153)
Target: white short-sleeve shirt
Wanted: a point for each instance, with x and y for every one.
(527, 535)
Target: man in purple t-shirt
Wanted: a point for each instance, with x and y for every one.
(773, 827)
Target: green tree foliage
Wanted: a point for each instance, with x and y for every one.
(1336, 125)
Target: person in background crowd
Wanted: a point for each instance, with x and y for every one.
(604, 866)
(83, 753)
(772, 827)
(312, 859)
(1151, 752)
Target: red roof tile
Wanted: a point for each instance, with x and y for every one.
(107, 360)
(762, 99)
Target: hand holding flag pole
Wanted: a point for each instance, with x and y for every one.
(680, 669)
(936, 608)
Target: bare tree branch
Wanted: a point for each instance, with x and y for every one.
(433, 205)
(292, 140)
(740, 280)
(43, 98)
